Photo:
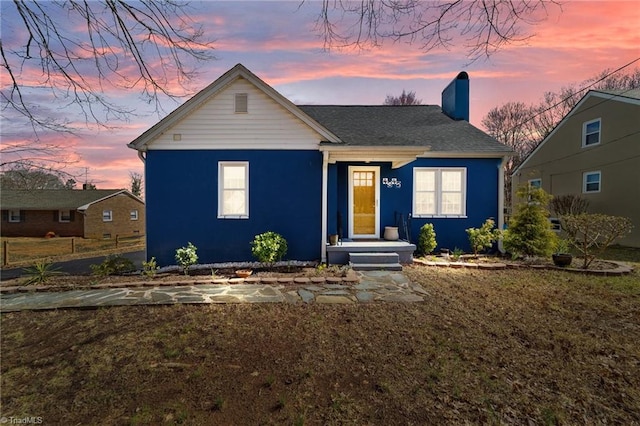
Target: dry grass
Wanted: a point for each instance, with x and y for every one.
(23, 251)
(512, 347)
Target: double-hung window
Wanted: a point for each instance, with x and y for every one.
(107, 215)
(233, 190)
(439, 192)
(591, 133)
(591, 182)
(64, 216)
(535, 183)
(14, 216)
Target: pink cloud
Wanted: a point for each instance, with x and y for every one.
(279, 45)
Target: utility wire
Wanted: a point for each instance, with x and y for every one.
(560, 102)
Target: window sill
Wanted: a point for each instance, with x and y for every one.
(233, 217)
(434, 216)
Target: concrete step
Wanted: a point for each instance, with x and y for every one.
(375, 261)
(371, 257)
(376, 267)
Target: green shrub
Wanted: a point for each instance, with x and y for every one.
(529, 232)
(427, 239)
(591, 234)
(269, 247)
(150, 268)
(41, 272)
(114, 264)
(187, 256)
(563, 246)
(483, 238)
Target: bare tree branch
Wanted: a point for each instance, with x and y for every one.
(157, 38)
(71, 52)
(485, 25)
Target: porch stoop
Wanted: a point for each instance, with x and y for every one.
(375, 261)
(341, 254)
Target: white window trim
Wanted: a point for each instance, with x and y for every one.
(438, 190)
(60, 219)
(11, 217)
(221, 166)
(584, 182)
(133, 214)
(110, 219)
(584, 132)
(376, 170)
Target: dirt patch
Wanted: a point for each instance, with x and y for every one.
(513, 346)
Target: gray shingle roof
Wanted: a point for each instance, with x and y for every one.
(410, 126)
(52, 199)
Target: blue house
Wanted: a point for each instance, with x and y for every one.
(239, 159)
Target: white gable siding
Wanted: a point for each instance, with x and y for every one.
(216, 125)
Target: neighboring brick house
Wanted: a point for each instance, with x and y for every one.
(101, 213)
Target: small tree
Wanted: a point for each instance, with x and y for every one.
(427, 239)
(269, 247)
(136, 183)
(406, 98)
(591, 234)
(569, 204)
(187, 256)
(529, 232)
(483, 238)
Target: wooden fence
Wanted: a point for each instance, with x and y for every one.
(21, 250)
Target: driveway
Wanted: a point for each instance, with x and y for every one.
(78, 266)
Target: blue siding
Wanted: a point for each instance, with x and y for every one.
(482, 198)
(182, 195)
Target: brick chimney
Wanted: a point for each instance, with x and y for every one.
(455, 98)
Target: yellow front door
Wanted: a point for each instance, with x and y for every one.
(364, 202)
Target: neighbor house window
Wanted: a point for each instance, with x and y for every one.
(107, 215)
(233, 190)
(242, 102)
(64, 216)
(439, 192)
(133, 214)
(591, 182)
(14, 216)
(535, 183)
(591, 133)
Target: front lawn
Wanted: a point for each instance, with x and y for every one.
(488, 347)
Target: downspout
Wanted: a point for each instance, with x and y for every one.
(323, 237)
(501, 199)
(142, 158)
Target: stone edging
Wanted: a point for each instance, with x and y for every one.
(348, 280)
(619, 270)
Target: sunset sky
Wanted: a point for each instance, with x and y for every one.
(277, 42)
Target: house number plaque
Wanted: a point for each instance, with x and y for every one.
(391, 182)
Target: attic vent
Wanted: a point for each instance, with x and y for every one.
(242, 101)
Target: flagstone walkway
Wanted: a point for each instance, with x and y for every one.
(373, 286)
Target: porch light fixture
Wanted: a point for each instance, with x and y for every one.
(390, 183)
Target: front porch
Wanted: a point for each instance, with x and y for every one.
(339, 254)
